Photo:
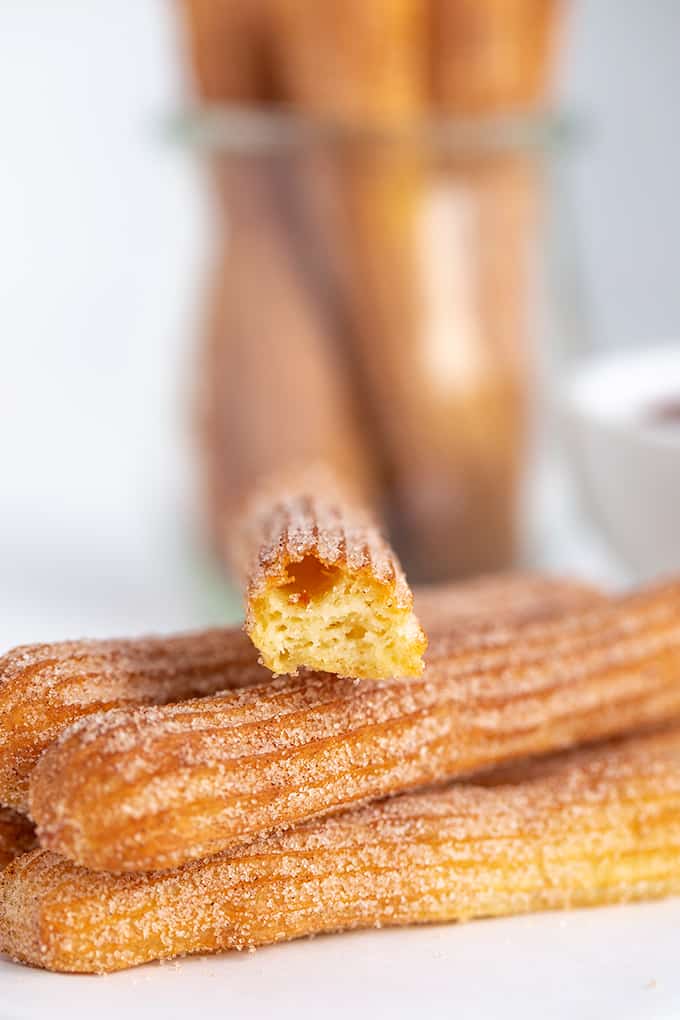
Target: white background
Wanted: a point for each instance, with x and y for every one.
(99, 238)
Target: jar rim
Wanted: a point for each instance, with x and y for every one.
(242, 129)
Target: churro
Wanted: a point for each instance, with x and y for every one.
(17, 835)
(326, 590)
(150, 788)
(587, 828)
(44, 688)
(499, 602)
(323, 588)
(287, 470)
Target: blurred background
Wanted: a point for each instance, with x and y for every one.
(104, 229)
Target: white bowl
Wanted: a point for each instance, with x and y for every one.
(630, 463)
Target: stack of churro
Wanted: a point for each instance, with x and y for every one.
(186, 802)
(377, 279)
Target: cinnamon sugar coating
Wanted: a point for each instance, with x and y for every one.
(44, 688)
(584, 828)
(150, 788)
(500, 601)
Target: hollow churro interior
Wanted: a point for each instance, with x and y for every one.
(329, 618)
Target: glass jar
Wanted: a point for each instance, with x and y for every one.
(376, 302)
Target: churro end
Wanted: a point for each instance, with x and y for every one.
(330, 618)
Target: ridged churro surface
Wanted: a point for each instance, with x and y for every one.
(44, 688)
(327, 591)
(150, 788)
(17, 835)
(500, 602)
(587, 828)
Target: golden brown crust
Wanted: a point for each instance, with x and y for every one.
(151, 788)
(325, 588)
(44, 688)
(17, 835)
(586, 828)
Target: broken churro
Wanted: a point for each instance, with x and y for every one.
(149, 788)
(44, 688)
(323, 588)
(17, 835)
(326, 590)
(586, 828)
(287, 468)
